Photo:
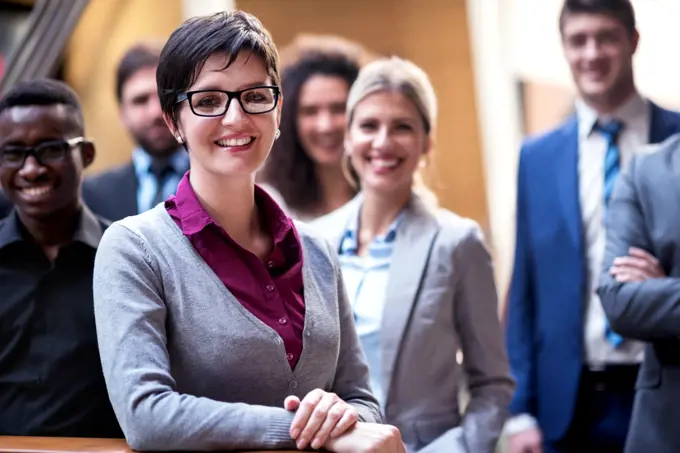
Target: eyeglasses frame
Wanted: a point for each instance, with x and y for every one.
(33, 151)
(230, 95)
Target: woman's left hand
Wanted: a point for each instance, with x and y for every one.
(318, 417)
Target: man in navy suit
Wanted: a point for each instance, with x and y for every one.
(575, 376)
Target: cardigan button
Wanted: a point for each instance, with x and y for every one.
(293, 384)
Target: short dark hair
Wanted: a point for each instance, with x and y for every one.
(44, 92)
(197, 39)
(622, 10)
(140, 56)
(289, 169)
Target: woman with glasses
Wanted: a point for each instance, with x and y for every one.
(223, 325)
(418, 277)
(304, 170)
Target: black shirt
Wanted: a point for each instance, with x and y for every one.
(5, 205)
(51, 381)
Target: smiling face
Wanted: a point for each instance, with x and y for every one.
(237, 143)
(385, 141)
(321, 118)
(599, 50)
(37, 190)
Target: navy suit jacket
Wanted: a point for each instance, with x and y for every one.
(113, 193)
(548, 287)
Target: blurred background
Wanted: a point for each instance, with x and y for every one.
(497, 67)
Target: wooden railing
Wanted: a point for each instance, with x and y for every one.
(10, 444)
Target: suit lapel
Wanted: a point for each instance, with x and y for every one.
(675, 168)
(412, 247)
(565, 166)
(661, 126)
(334, 225)
(128, 192)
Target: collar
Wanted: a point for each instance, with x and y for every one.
(195, 218)
(350, 241)
(89, 230)
(634, 111)
(141, 161)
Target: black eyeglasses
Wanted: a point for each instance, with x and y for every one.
(210, 103)
(45, 153)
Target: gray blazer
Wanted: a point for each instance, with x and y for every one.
(644, 212)
(441, 298)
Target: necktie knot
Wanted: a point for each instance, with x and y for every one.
(610, 129)
(160, 170)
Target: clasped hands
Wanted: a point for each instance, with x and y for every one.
(637, 266)
(322, 419)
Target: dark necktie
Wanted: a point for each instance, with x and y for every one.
(160, 170)
(612, 169)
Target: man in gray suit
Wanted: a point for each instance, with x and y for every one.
(640, 289)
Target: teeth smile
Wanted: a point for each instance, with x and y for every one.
(384, 163)
(36, 191)
(235, 141)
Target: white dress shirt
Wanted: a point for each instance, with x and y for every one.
(635, 116)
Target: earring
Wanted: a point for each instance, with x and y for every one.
(277, 134)
(180, 140)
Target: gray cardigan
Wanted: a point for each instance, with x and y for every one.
(189, 368)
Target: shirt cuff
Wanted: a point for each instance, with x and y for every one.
(519, 423)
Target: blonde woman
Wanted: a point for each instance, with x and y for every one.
(419, 278)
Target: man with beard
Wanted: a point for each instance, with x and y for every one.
(158, 162)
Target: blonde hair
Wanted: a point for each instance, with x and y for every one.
(402, 76)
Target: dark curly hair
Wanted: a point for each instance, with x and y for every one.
(289, 169)
(44, 91)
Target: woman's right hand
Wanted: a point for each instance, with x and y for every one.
(367, 438)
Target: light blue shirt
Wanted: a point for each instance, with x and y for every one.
(147, 184)
(366, 283)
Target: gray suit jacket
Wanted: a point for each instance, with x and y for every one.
(644, 212)
(441, 298)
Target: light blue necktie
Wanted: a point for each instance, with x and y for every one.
(612, 168)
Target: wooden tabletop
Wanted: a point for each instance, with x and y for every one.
(62, 444)
(9, 444)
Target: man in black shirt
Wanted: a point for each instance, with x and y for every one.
(51, 382)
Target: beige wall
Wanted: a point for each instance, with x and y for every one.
(434, 37)
(545, 106)
(106, 30)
